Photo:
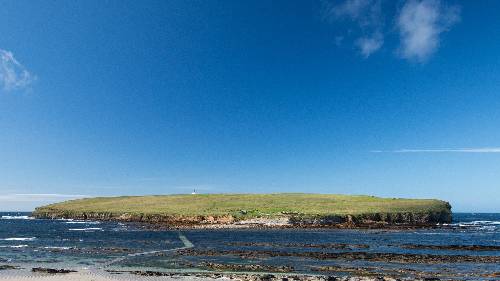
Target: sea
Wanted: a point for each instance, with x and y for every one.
(445, 251)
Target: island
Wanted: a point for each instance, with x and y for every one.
(255, 210)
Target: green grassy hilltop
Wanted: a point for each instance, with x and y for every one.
(243, 206)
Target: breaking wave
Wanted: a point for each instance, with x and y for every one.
(85, 229)
(19, 239)
(16, 218)
(14, 246)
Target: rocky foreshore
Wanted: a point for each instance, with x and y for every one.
(52, 270)
(52, 274)
(255, 273)
(273, 276)
(349, 256)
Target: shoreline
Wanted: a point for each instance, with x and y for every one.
(26, 274)
(261, 258)
(129, 274)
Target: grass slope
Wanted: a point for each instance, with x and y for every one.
(246, 205)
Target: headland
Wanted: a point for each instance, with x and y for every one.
(256, 210)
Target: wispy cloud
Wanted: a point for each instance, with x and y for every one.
(367, 15)
(452, 150)
(420, 23)
(37, 197)
(13, 75)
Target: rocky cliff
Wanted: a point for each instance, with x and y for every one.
(286, 220)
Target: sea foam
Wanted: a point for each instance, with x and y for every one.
(16, 218)
(82, 222)
(15, 246)
(85, 229)
(56, 248)
(19, 239)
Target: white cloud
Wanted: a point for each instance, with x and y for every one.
(367, 15)
(369, 45)
(420, 23)
(38, 197)
(459, 150)
(13, 75)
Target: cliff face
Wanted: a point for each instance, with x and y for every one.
(410, 219)
(286, 220)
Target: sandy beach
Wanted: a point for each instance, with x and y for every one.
(85, 276)
(106, 276)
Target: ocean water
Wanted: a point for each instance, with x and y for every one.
(442, 251)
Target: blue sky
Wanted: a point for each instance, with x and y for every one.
(389, 98)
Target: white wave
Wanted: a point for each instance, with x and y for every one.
(487, 227)
(483, 222)
(15, 246)
(57, 248)
(19, 246)
(17, 218)
(85, 229)
(82, 222)
(19, 239)
(476, 223)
